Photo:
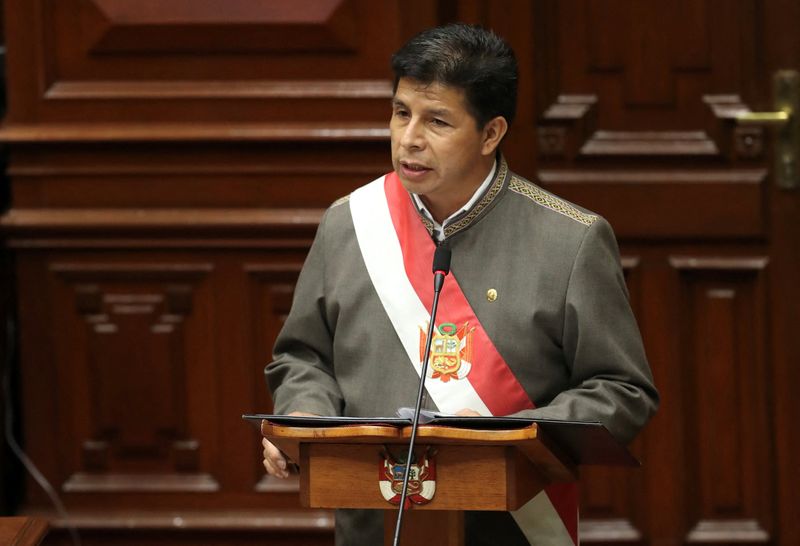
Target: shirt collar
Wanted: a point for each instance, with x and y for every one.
(438, 229)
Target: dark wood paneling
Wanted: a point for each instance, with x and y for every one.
(135, 336)
(280, 175)
(635, 115)
(725, 377)
(237, 26)
(242, 61)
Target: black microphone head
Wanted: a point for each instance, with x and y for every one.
(441, 259)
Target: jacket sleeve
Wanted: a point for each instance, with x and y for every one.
(301, 376)
(610, 380)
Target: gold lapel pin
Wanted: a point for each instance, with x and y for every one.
(491, 294)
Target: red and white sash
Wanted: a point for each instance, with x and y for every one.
(398, 253)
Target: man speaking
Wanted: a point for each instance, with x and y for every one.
(535, 314)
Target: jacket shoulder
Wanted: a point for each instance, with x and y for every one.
(548, 201)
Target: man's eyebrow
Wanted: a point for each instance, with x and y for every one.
(439, 112)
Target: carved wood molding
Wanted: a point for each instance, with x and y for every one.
(138, 271)
(140, 483)
(703, 263)
(132, 326)
(567, 130)
(163, 228)
(194, 132)
(566, 125)
(649, 143)
(181, 90)
(612, 531)
(734, 141)
(732, 531)
(271, 484)
(195, 219)
(241, 519)
(616, 176)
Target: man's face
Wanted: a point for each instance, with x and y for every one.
(437, 149)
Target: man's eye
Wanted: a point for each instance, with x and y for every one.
(401, 113)
(439, 122)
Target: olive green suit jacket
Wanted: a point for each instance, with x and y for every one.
(561, 319)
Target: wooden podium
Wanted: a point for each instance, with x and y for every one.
(475, 470)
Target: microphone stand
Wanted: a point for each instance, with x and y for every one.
(440, 270)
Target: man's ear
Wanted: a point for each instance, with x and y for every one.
(493, 132)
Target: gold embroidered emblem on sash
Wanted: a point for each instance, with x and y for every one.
(451, 351)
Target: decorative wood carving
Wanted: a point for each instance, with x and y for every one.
(646, 66)
(566, 125)
(742, 142)
(179, 132)
(132, 353)
(649, 143)
(608, 531)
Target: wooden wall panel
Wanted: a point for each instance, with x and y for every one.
(635, 107)
(652, 62)
(128, 337)
(244, 61)
(725, 378)
(169, 176)
(638, 122)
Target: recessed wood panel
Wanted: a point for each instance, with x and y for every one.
(130, 363)
(150, 26)
(243, 61)
(723, 363)
(650, 61)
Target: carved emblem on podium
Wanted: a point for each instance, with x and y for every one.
(421, 482)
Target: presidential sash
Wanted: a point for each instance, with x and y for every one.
(465, 369)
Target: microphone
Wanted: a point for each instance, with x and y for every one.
(441, 267)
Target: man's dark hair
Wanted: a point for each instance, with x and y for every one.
(468, 57)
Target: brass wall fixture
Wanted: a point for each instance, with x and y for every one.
(786, 119)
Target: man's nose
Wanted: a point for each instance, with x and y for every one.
(413, 135)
